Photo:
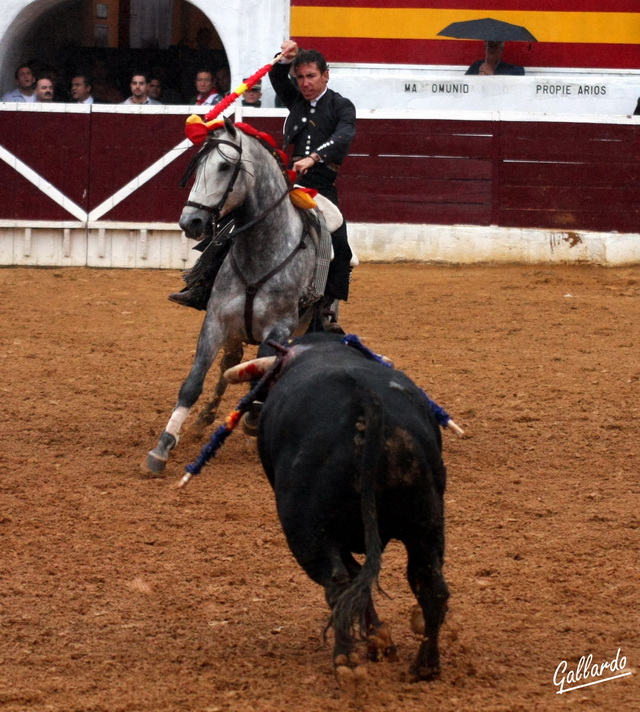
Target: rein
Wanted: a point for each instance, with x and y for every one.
(251, 289)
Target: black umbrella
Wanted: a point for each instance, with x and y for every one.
(488, 29)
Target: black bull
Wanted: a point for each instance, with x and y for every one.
(353, 453)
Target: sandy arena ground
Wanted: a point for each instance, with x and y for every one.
(120, 594)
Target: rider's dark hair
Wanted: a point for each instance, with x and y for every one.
(311, 56)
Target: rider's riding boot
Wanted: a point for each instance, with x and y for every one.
(328, 316)
(195, 296)
(183, 298)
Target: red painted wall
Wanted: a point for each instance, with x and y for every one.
(577, 49)
(517, 174)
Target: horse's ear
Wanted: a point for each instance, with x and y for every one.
(231, 129)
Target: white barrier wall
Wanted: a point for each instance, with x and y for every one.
(164, 246)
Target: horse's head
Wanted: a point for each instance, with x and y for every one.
(217, 186)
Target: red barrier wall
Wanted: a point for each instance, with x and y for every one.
(557, 175)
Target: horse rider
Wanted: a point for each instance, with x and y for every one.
(320, 126)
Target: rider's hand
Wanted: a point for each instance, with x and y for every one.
(289, 49)
(303, 165)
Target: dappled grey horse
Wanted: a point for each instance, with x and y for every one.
(268, 271)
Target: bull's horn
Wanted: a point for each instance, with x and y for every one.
(456, 428)
(249, 370)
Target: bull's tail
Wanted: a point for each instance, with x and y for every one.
(352, 604)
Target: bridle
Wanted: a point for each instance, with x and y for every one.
(251, 288)
(215, 210)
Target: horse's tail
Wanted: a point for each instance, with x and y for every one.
(349, 610)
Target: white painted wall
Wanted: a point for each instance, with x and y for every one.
(252, 31)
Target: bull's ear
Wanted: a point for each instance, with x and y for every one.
(231, 129)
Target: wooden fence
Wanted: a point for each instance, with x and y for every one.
(562, 175)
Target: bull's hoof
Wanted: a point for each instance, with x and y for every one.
(424, 672)
(350, 674)
(380, 646)
(157, 458)
(426, 666)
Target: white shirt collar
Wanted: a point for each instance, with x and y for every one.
(313, 102)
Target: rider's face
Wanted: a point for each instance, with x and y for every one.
(311, 81)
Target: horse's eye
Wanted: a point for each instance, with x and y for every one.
(224, 167)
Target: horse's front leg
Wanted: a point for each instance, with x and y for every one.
(281, 331)
(209, 343)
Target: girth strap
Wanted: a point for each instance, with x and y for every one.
(252, 289)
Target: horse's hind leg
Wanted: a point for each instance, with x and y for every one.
(208, 413)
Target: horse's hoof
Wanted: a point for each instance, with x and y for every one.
(157, 458)
(155, 463)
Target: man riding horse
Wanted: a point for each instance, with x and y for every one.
(320, 127)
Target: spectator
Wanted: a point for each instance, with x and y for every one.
(253, 96)
(223, 81)
(24, 85)
(44, 89)
(48, 71)
(321, 125)
(139, 86)
(207, 92)
(204, 39)
(104, 86)
(81, 86)
(493, 64)
(155, 88)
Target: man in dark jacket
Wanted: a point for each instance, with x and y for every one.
(320, 127)
(493, 64)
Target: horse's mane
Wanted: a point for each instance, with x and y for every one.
(264, 139)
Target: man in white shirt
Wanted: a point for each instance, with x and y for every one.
(81, 89)
(139, 83)
(24, 85)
